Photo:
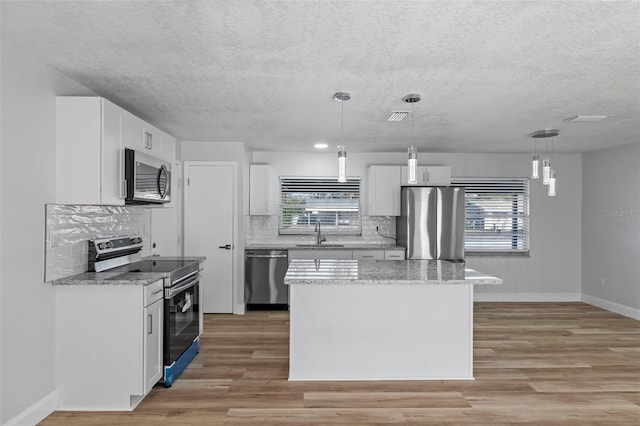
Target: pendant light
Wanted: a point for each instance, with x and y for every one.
(552, 184)
(342, 153)
(413, 152)
(413, 165)
(546, 170)
(548, 173)
(552, 177)
(535, 163)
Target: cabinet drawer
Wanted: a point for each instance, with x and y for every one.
(368, 255)
(153, 292)
(394, 255)
(320, 254)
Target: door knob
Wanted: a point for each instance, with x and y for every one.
(226, 247)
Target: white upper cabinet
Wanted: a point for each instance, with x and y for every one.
(144, 137)
(420, 171)
(429, 175)
(89, 155)
(168, 148)
(133, 132)
(91, 134)
(384, 190)
(259, 181)
(152, 140)
(437, 175)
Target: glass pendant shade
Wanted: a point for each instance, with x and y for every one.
(546, 171)
(535, 167)
(552, 184)
(413, 165)
(342, 164)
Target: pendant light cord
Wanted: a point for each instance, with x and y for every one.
(342, 124)
(413, 135)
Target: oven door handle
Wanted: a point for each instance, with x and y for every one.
(171, 291)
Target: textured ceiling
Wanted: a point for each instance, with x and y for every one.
(264, 72)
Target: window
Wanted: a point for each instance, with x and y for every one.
(497, 215)
(303, 201)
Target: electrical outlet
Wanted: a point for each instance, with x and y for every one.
(602, 283)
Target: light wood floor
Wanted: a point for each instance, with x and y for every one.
(535, 364)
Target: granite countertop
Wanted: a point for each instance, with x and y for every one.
(328, 245)
(194, 258)
(115, 277)
(384, 272)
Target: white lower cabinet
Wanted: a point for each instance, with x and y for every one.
(320, 254)
(368, 255)
(340, 254)
(108, 345)
(153, 338)
(394, 255)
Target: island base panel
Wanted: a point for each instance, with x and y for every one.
(381, 332)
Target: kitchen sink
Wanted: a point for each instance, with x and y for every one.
(320, 245)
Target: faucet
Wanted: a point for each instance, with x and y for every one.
(321, 238)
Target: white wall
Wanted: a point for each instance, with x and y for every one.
(611, 228)
(227, 151)
(553, 270)
(28, 182)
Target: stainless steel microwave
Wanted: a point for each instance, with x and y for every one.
(148, 178)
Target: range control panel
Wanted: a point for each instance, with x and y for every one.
(112, 248)
(115, 245)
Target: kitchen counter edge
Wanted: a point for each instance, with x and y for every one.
(345, 246)
(128, 278)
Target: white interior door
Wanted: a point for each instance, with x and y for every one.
(208, 229)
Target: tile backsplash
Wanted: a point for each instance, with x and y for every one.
(70, 227)
(264, 229)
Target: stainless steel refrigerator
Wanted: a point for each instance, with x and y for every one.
(431, 222)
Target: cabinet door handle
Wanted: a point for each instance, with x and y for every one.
(366, 256)
(123, 188)
(147, 140)
(150, 328)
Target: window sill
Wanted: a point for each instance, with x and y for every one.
(497, 254)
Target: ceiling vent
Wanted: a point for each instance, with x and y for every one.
(398, 115)
(585, 118)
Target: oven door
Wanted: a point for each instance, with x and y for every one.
(181, 317)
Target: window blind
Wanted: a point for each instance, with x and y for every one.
(497, 214)
(303, 201)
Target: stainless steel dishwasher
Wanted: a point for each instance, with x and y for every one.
(264, 279)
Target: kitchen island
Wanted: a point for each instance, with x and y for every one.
(381, 320)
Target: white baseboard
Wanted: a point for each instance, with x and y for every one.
(37, 412)
(527, 297)
(239, 309)
(627, 311)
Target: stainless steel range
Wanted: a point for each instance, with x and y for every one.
(181, 295)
